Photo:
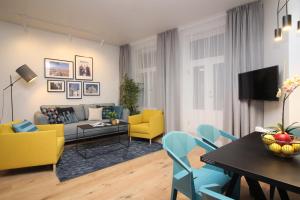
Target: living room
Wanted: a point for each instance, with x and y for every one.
(99, 97)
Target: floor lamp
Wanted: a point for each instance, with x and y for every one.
(25, 73)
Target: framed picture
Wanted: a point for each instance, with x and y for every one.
(55, 86)
(91, 88)
(74, 89)
(58, 69)
(83, 68)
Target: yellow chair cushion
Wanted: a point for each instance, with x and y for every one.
(140, 128)
(147, 114)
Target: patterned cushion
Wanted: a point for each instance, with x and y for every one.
(52, 115)
(67, 115)
(119, 111)
(25, 126)
(106, 110)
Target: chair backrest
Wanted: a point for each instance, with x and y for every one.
(147, 114)
(208, 132)
(179, 143)
(211, 135)
(295, 132)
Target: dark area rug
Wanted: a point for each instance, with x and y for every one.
(99, 155)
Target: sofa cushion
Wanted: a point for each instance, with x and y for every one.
(52, 114)
(106, 110)
(71, 130)
(95, 114)
(140, 128)
(86, 109)
(25, 126)
(67, 115)
(79, 112)
(119, 111)
(87, 106)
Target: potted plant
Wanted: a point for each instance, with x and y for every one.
(129, 95)
(280, 139)
(113, 117)
(288, 87)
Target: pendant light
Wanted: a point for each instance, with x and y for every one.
(278, 34)
(286, 20)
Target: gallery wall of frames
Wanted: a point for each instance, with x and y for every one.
(73, 80)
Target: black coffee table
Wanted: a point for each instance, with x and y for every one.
(248, 157)
(84, 129)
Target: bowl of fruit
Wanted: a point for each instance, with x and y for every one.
(281, 144)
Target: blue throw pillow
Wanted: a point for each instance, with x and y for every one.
(67, 115)
(119, 111)
(25, 126)
(106, 110)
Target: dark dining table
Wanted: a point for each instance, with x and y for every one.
(248, 158)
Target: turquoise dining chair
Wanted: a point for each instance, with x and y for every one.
(210, 134)
(208, 192)
(295, 132)
(187, 179)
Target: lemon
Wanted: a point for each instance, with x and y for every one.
(287, 149)
(296, 146)
(268, 139)
(275, 147)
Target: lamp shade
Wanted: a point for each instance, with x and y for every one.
(26, 73)
(286, 22)
(278, 34)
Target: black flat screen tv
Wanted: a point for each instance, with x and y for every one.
(259, 84)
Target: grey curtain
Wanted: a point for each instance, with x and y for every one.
(168, 79)
(244, 52)
(124, 61)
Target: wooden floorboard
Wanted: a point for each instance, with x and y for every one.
(144, 178)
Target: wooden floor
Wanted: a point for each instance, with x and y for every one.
(147, 177)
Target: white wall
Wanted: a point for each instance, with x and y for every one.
(286, 55)
(294, 61)
(275, 53)
(18, 47)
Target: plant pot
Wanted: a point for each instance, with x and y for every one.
(284, 149)
(114, 122)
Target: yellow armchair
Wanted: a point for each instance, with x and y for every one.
(149, 124)
(28, 149)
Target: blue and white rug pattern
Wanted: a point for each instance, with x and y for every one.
(99, 156)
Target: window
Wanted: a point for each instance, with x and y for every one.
(202, 76)
(144, 69)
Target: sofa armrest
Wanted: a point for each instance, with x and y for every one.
(156, 123)
(25, 149)
(40, 118)
(59, 128)
(135, 119)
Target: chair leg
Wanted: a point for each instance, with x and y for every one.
(150, 141)
(54, 168)
(174, 194)
(272, 192)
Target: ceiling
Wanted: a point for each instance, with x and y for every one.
(114, 21)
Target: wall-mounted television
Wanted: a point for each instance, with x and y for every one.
(259, 84)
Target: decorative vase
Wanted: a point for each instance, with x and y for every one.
(114, 122)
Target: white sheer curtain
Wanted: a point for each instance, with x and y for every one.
(203, 75)
(143, 70)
